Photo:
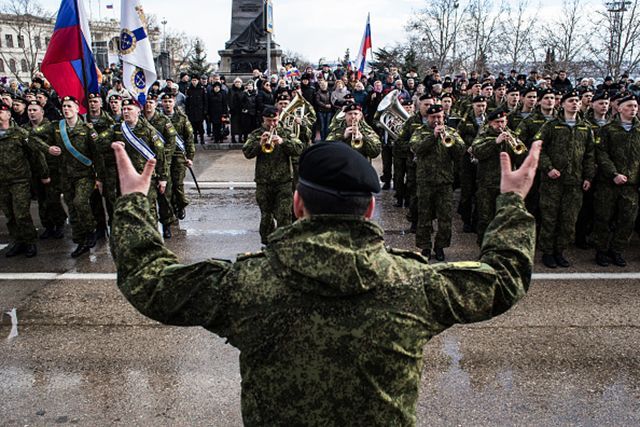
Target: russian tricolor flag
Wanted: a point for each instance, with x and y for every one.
(365, 46)
(68, 63)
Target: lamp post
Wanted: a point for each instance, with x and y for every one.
(164, 32)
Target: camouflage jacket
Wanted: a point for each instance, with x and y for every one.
(529, 127)
(146, 133)
(183, 127)
(468, 129)
(274, 167)
(515, 118)
(567, 149)
(83, 138)
(402, 146)
(371, 145)
(21, 158)
(101, 123)
(618, 152)
(436, 163)
(53, 162)
(164, 126)
(329, 322)
(487, 151)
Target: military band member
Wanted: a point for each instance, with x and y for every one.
(82, 169)
(438, 149)
(486, 148)
(167, 135)
(20, 160)
(183, 155)
(616, 193)
(529, 96)
(272, 147)
(282, 101)
(468, 129)
(355, 131)
(567, 168)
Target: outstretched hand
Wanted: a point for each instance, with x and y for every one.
(130, 180)
(520, 180)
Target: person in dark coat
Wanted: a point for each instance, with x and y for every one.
(196, 108)
(218, 109)
(265, 97)
(236, 99)
(248, 119)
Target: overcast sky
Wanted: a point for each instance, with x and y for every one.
(314, 28)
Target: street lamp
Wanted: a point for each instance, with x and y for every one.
(164, 31)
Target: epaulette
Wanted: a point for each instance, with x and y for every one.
(248, 255)
(416, 256)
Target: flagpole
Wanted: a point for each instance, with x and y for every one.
(84, 71)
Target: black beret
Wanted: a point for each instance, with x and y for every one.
(93, 95)
(513, 88)
(525, 90)
(352, 107)
(570, 94)
(543, 92)
(499, 85)
(20, 99)
(42, 92)
(600, 96)
(4, 107)
(70, 98)
(521, 77)
(608, 79)
(166, 96)
(338, 169)
(131, 101)
(406, 101)
(348, 96)
(616, 96)
(34, 102)
(626, 99)
(479, 98)
(216, 84)
(497, 114)
(582, 91)
(270, 112)
(447, 95)
(284, 97)
(152, 97)
(425, 96)
(487, 84)
(169, 80)
(434, 109)
(115, 96)
(446, 85)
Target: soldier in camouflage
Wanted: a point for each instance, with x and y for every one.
(330, 323)
(438, 149)
(567, 168)
(355, 132)
(273, 172)
(167, 134)
(20, 159)
(616, 193)
(82, 169)
(115, 105)
(529, 96)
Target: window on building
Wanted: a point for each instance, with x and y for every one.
(23, 66)
(12, 65)
(21, 41)
(36, 42)
(9, 40)
(1, 66)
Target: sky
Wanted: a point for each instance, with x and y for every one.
(315, 29)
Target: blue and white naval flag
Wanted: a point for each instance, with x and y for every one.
(138, 68)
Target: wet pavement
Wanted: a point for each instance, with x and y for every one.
(565, 355)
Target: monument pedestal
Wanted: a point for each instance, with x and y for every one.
(238, 63)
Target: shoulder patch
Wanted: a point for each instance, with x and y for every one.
(94, 135)
(248, 255)
(168, 125)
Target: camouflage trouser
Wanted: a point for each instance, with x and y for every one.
(486, 206)
(434, 203)
(467, 190)
(50, 207)
(15, 203)
(387, 163)
(615, 210)
(412, 191)
(559, 207)
(77, 195)
(165, 209)
(98, 209)
(400, 169)
(275, 202)
(178, 172)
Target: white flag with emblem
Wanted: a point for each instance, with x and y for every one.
(138, 68)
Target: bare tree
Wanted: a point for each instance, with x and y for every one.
(180, 48)
(568, 38)
(481, 29)
(616, 45)
(296, 58)
(518, 35)
(436, 28)
(32, 26)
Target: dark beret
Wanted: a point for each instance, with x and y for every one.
(115, 96)
(152, 97)
(487, 84)
(270, 112)
(513, 88)
(446, 85)
(497, 114)
(600, 96)
(525, 90)
(570, 94)
(627, 99)
(352, 107)
(17, 98)
(70, 98)
(406, 101)
(499, 85)
(543, 92)
(284, 97)
(608, 79)
(348, 96)
(93, 95)
(166, 96)
(131, 101)
(521, 77)
(479, 98)
(34, 102)
(338, 169)
(616, 96)
(216, 84)
(425, 96)
(434, 109)
(42, 92)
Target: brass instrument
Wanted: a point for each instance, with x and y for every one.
(295, 109)
(392, 114)
(268, 146)
(446, 139)
(516, 145)
(355, 128)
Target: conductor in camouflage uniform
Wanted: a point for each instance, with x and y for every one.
(329, 321)
(272, 147)
(355, 132)
(438, 149)
(82, 169)
(20, 159)
(167, 135)
(183, 155)
(567, 167)
(616, 192)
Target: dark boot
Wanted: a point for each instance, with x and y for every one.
(549, 261)
(91, 239)
(81, 249)
(180, 213)
(602, 259)
(439, 254)
(58, 232)
(166, 231)
(15, 249)
(101, 233)
(616, 258)
(47, 233)
(426, 253)
(30, 250)
(561, 260)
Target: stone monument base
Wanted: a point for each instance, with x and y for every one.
(234, 63)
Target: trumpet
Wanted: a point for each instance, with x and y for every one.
(355, 128)
(268, 146)
(516, 145)
(446, 139)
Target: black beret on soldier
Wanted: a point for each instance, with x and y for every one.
(543, 92)
(425, 96)
(166, 96)
(352, 107)
(69, 98)
(600, 96)
(527, 89)
(487, 84)
(115, 96)
(497, 114)
(131, 101)
(284, 97)
(479, 98)
(152, 97)
(20, 99)
(627, 99)
(34, 102)
(616, 96)
(570, 94)
(435, 109)
(93, 95)
(406, 102)
(337, 169)
(270, 112)
(512, 89)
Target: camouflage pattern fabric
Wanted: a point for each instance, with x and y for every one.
(371, 144)
(330, 323)
(468, 129)
(164, 125)
(15, 203)
(77, 195)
